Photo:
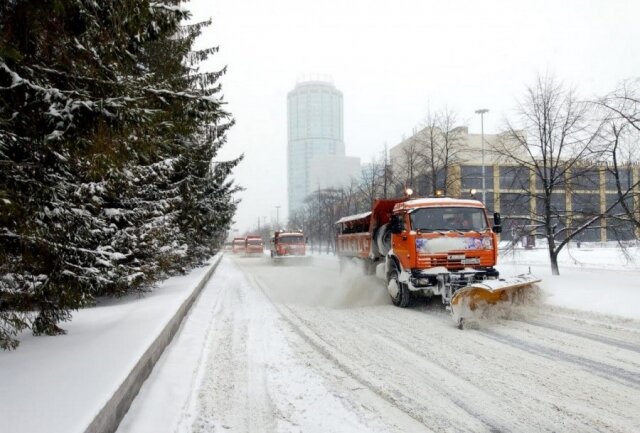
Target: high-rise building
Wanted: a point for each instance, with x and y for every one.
(315, 131)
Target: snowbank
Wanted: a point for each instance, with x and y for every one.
(60, 384)
(599, 280)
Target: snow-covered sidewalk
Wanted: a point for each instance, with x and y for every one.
(59, 384)
(597, 280)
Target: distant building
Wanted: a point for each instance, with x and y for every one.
(315, 140)
(592, 192)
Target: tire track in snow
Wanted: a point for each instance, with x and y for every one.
(603, 370)
(563, 396)
(588, 335)
(232, 393)
(393, 396)
(612, 323)
(505, 398)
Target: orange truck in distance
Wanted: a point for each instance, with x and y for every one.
(431, 246)
(254, 246)
(238, 246)
(288, 246)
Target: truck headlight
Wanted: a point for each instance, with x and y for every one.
(487, 243)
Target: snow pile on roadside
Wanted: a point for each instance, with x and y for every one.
(596, 283)
(59, 384)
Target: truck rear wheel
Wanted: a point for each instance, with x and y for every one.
(383, 239)
(399, 292)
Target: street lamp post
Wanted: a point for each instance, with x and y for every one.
(481, 112)
(278, 217)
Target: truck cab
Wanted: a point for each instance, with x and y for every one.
(441, 232)
(288, 245)
(254, 245)
(238, 246)
(438, 245)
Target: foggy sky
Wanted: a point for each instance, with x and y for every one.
(395, 59)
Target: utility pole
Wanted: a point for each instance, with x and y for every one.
(278, 217)
(482, 112)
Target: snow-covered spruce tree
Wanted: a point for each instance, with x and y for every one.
(203, 207)
(91, 134)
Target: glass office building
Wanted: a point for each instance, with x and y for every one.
(315, 128)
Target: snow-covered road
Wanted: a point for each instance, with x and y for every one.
(300, 349)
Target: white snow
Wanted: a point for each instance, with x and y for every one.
(595, 279)
(58, 384)
(303, 349)
(232, 352)
(272, 348)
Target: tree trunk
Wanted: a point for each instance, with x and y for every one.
(553, 257)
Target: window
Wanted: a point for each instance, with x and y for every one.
(588, 179)
(588, 235)
(448, 218)
(472, 177)
(514, 178)
(625, 180)
(586, 203)
(555, 179)
(514, 204)
(291, 239)
(557, 203)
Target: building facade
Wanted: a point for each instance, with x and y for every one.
(315, 128)
(515, 191)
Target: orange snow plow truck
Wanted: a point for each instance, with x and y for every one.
(254, 246)
(432, 246)
(288, 247)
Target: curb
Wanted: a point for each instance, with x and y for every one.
(110, 416)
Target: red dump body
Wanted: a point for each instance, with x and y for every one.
(355, 232)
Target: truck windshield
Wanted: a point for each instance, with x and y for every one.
(254, 242)
(291, 240)
(448, 218)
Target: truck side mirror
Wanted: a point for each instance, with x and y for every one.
(497, 228)
(396, 225)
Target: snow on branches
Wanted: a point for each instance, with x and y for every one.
(105, 155)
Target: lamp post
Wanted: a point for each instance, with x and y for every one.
(481, 112)
(278, 217)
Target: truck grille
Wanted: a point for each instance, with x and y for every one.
(433, 260)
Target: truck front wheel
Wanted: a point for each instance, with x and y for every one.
(399, 292)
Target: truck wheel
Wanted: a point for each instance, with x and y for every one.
(383, 239)
(399, 292)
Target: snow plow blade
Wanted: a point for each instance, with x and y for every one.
(470, 302)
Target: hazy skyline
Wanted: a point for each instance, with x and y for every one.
(395, 60)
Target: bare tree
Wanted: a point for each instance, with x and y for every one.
(622, 111)
(318, 216)
(624, 102)
(370, 182)
(408, 165)
(439, 142)
(554, 138)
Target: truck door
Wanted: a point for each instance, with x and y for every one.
(401, 242)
